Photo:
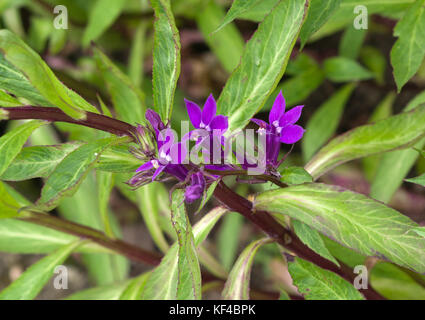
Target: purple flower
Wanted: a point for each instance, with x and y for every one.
(170, 157)
(170, 154)
(206, 118)
(280, 129)
(196, 188)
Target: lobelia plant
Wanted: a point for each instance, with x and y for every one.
(225, 169)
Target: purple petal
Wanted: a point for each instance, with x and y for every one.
(157, 172)
(209, 111)
(148, 165)
(278, 108)
(154, 119)
(291, 134)
(260, 123)
(194, 113)
(291, 116)
(178, 153)
(219, 122)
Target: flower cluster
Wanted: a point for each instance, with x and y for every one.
(166, 158)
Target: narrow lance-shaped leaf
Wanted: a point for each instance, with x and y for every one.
(37, 161)
(315, 283)
(128, 100)
(15, 82)
(106, 292)
(102, 15)
(135, 288)
(228, 238)
(105, 183)
(32, 281)
(17, 236)
(238, 7)
(178, 276)
(41, 76)
(382, 111)
(352, 219)
(237, 285)
(166, 58)
(9, 207)
(409, 50)
(7, 100)
(117, 159)
(150, 212)
(398, 162)
(12, 142)
(69, 173)
(262, 65)
(313, 240)
(324, 122)
(208, 18)
(395, 132)
(418, 180)
(318, 14)
(82, 208)
(340, 69)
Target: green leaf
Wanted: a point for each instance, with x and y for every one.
(259, 10)
(312, 239)
(17, 236)
(150, 213)
(409, 50)
(128, 100)
(137, 54)
(178, 276)
(207, 195)
(261, 65)
(352, 219)
(32, 281)
(398, 162)
(298, 88)
(341, 69)
(228, 238)
(393, 283)
(69, 173)
(373, 59)
(105, 184)
(315, 283)
(15, 82)
(420, 231)
(23, 237)
(395, 132)
(166, 58)
(12, 142)
(41, 76)
(318, 13)
(7, 100)
(37, 161)
(203, 227)
(238, 7)
(8, 205)
(418, 180)
(382, 111)
(107, 292)
(295, 175)
(135, 288)
(324, 122)
(220, 41)
(117, 159)
(237, 285)
(102, 15)
(83, 208)
(351, 42)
